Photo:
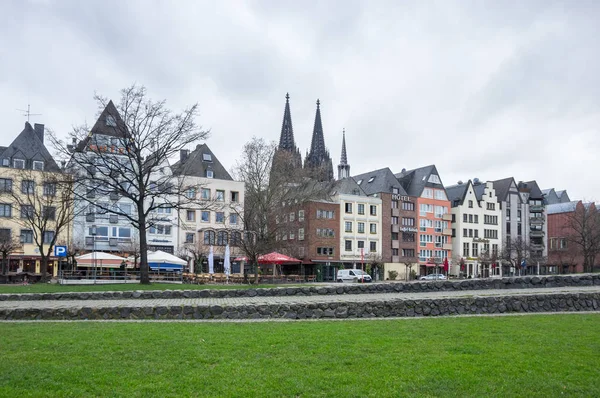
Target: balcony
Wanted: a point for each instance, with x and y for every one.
(395, 212)
(395, 228)
(447, 246)
(395, 259)
(447, 217)
(395, 244)
(537, 246)
(536, 208)
(447, 232)
(536, 234)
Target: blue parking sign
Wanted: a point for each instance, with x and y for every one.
(60, 251)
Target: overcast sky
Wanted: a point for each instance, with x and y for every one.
(481, 89)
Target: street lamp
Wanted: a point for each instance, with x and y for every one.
(93, 233)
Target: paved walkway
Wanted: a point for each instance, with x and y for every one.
(241, 301)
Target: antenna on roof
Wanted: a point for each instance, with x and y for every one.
(28, 112)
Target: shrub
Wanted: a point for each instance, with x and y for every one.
(392, 275)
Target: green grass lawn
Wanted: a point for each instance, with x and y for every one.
(520, 356)
(55, 288)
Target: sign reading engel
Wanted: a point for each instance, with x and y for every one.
(60, 251)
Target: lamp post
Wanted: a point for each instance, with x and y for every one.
(93, 233)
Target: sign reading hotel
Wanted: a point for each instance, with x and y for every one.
(400, 197)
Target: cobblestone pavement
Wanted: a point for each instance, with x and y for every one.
(235, 301)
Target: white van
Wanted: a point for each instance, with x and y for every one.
(352, 275)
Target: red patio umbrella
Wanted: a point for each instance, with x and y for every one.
(276, 258)
(446, 266)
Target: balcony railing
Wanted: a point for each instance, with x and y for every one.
(447, 217)
(536, 208)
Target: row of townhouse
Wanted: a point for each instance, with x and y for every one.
(213, 217)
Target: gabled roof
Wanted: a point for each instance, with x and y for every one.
(479, 190)
(563, 196)
(382, 180)
(414, 181)
(29, 146)
(558, 208)
(502, 187)
(348, 186)
(457, 192)
(196, 163)
(532, 188)
(102, 127)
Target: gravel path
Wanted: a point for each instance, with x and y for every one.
(244, 301)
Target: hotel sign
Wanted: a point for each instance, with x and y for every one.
(401, 197)
(408, 229)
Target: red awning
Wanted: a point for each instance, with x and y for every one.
(276, 258)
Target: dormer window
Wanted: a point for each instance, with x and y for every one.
(111, 121)
(5, 162)
(210, 174)
(359, 182)
(371, 179)
(38, 165)
(19, 164)
(207, 157)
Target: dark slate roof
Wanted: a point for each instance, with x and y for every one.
(383, 181)
(457, 192)
(557, 208)
(534, 190)
(101, 127)
(479, 190)
(195, 165)
(502, 187)
(414, 181)
(30, 147)
(348, 186)
(550, 196)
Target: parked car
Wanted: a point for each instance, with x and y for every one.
(432, 277)
(353, 275)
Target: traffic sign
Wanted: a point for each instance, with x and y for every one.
(60, 251)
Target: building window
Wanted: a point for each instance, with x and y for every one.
(156, 230)
(190, 193)
(222, 238)
(26, 211)
(476, 219)
(466, 249)
(49, 189)
(427, 193)
(5, 185)
(373, 210)
(408, 206)
(408, 222)
(205, 216)
(394, 220)
(19, 164)
(348, 226)
(209, 237)
(48, 237)
(207, 157)
(394, 252)
(470, 204)
(325, 251)
(361, 227)
(300, 233)
(235, 196)
(220, 217)
(373, 228)
(300, 215)
(348, 245)
(38, 165)
(190, 215)
(27, 186)
(408, 237)
(233, 219)
(408, 252)
(292, 217)
(372, 246)
(475, 249)
(210, 174)
(49, 212)
(329, 214)
(220, 195)
(26, 236)
(394, 204)
(348, 208)
(491, 206)
(465, 233)
(5, 210)
(205, 193)
(361, 208)
(360, 244)
(189, 237)
(471, 218)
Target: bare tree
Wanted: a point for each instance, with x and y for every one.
(46, 210)
(407, 269)
(129, 158)
(583, 231)
(8, 244)
(273, 188)
(518, 254)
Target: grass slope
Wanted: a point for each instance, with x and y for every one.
(55, 288)
(544, 355)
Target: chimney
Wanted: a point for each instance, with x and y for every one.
(39, 131)
(183, 154)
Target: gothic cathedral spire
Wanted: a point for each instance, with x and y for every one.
(343, 167)
(317, 162)
(287, 156)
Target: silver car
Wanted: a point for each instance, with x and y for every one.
(432, 277)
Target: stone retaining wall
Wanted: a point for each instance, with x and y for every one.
(559, 302)
(526, 282)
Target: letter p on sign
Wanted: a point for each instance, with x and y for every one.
(60, 251)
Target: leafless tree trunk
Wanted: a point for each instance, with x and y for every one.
(129, 159)
(8, 244)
